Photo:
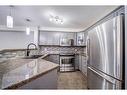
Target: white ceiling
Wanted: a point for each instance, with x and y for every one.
(77, 18)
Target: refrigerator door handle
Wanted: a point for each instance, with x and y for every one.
(106, 77)
(88, 49)
(119, 49)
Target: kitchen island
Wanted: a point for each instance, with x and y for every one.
(22, 73)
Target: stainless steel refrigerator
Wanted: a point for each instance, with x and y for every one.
(105, 55)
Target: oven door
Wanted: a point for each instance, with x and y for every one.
(67, 63)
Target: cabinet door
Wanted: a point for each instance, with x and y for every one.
(81, 38)
(49, 38)
(53, 58)
(80, 62)
(65, 37)
(84, 65)
(85, 37)
(77, 62)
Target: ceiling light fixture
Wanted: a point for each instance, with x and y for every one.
(56, 19)
(28, 28)
(10, 19)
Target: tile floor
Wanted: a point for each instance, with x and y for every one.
(72, 80)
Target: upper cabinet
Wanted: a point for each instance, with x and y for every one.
(67, 39)
(62, 38)
(49, 38)
(81, 39)
(57, 38)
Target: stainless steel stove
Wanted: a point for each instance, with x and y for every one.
(67, 62)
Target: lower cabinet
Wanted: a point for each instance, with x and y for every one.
(81, 63)
(53, 58)
(84, 65)
(46, 81)
(76, 61)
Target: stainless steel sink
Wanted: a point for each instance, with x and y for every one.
(32, 57)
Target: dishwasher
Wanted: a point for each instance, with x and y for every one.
(67, 62)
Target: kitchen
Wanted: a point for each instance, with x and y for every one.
(62, 47)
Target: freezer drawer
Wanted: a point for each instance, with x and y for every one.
(97, 80)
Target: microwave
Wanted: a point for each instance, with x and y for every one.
(66, 42)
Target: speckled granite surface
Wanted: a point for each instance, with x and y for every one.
(17, 72)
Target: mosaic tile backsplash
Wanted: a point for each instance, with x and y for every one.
(43, 50)
(58, 50)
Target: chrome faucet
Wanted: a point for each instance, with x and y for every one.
(28, 50)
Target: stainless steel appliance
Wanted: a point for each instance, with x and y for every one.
(66, 42)
(67, 62)
(105, 55)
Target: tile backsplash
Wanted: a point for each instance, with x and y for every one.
(58, 50)
(11, 54)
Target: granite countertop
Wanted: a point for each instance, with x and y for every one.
(17, 72)
(8, 50)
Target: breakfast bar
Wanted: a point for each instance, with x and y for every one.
(23, 73)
